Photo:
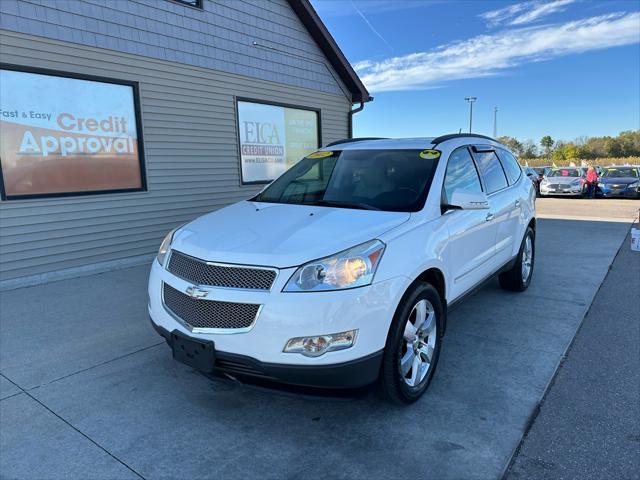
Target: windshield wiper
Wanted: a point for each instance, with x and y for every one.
(335, 203)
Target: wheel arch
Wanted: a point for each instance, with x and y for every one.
(435, 277)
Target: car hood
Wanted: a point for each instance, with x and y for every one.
(618, 180)
(280, 235)
(562, 180)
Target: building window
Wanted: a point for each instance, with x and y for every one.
(273, 137)
(191, 3)
(64, 134)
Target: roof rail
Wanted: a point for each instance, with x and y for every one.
(351, 140)
(444, 138)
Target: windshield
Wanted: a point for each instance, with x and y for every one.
(565, 172)
(620, 173)
(391, 180)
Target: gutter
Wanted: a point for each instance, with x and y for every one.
(352, 113)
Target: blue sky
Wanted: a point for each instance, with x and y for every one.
(565, 68)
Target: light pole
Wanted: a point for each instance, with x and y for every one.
(495, 122)
(470, 100)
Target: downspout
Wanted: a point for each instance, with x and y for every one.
(351, 113)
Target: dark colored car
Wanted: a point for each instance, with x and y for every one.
(623, 181)
(542, 171)
(535, 177)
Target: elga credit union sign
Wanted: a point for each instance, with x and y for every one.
(61, 135)
(272, 138)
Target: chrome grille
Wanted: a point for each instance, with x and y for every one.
(198, 313)
(202, 273)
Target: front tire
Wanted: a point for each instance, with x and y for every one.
(413, 345)
(519, 277)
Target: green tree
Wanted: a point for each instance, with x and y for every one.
(514, 145)
(613, 147)
(630, 141)
(558, 155)
(571, 152)
(529, 149)
(547, 143)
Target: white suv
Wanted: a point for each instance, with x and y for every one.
(341, 271)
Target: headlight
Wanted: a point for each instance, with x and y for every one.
(544, 181)
(165, 246)
(354, 267)
(635, 184)
(576, 181)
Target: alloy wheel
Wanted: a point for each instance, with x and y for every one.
(418, 343)
(527, 259)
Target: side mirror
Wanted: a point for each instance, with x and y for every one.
(468, 200)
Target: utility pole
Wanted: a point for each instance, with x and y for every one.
(495, 122)
(470, 100)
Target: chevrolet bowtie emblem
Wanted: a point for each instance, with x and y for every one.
(195, 292)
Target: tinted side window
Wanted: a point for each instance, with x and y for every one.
(511, 166)
(461, 174)
(492, 172)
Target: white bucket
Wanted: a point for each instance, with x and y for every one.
(635, 239)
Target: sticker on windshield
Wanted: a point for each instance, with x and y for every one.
(321, 154)
(429, 154)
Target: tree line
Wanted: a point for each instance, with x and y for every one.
(626, 144)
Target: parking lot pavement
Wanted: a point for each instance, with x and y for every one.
(96, 382)
(589, 423)
(608, 209)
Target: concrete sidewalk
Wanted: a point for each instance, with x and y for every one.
(589, 423)
(90, 391)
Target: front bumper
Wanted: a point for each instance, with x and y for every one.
(564, 191)
(618, 192)
(286, 315)
(351, 374)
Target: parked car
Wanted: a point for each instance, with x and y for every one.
(340, 273)
(564, 181)
(534, 177)
(620, 181)
(542, 171)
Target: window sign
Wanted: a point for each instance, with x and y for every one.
(273, 138)
(61, 135)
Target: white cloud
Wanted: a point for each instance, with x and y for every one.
(524, 12)
(487, 55)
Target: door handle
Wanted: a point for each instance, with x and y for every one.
(489, 217)
(517, 203)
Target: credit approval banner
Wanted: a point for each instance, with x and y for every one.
(61, 135)
(273, 138)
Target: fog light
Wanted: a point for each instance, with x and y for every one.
(321, 344)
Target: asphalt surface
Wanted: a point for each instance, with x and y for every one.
(88, 390)
(600, 209)
(588, 426)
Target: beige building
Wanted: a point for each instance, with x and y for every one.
(121, 120)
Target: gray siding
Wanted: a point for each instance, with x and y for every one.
(222, 36)
(192, 161)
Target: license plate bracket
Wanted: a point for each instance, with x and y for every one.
(197, 354)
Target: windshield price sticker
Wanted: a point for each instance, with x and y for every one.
(430, 154)
(319, 154)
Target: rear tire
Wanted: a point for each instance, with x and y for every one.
(519, 277)
(411, 354)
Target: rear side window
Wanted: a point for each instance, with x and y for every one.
(492, 172)
(511, 166)
(461, 174)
